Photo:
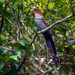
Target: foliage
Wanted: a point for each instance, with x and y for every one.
(17, 29)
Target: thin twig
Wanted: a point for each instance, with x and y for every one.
(42, 71)
(33, 38)
(71, 7)
(47, 71)
(11, 22)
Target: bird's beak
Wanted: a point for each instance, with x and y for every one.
(32, 9)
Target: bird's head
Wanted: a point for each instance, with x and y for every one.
(37, 12)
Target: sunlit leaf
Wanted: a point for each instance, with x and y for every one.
(4, 50)
(51, 5)
(2, 0)
(12, 58)
(18, 52)
(73, 47)
(22, 43)
(66, 45)
(73, 25)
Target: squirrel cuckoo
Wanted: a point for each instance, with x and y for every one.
(41, 24)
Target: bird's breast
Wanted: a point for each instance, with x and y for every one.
(40, 25)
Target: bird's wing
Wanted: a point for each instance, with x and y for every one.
(44, 22)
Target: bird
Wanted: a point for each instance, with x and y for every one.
(41, 24)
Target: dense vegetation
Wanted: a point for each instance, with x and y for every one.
(23, 50)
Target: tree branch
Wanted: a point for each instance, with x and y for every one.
(71, 7)
(2, 22)
(62, 20)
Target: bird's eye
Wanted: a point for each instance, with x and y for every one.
(34, 10)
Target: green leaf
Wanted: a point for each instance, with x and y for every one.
(16, 4)
(1, 65)
(14, 57)
(3, 5)
(22, 43)
(3, 59)
(73, 25)
(1, 52)
(51, 5)
(4, 50)
(18, 52)
(2, 0)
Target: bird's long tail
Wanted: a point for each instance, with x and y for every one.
(51, 46)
